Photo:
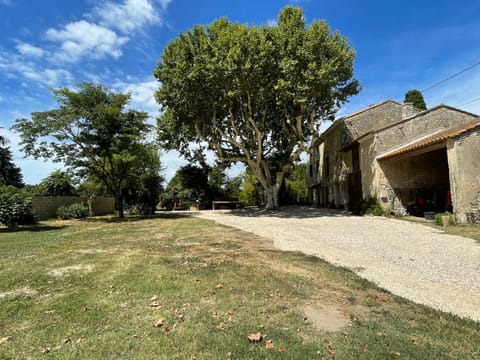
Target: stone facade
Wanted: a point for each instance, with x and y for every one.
(397, 154)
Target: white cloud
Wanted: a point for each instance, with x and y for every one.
(15, 65)
(142, 95)
(127, 16)
(30, 50)
(84, 39)
(49, 77)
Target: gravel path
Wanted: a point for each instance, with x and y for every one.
(411, 260)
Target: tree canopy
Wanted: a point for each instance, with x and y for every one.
(92, 133)
(253, 94)
(57, 183)
(416, 98)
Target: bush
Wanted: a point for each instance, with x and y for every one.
(438, 218)
(73, 211)
(369, 207)
(15, 208)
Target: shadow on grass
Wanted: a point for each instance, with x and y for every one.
(32, 228)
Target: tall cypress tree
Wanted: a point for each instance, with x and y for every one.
(415, 97)
(10, 174)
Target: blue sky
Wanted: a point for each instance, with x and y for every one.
(400, 45)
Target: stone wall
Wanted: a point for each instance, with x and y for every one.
(464, 163)
(391, 178)
(45, 207)
(425, 123)
(371, 119)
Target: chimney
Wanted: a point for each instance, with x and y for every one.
(407, 110)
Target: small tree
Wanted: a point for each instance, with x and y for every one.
(297, 182)
(188, 185)
(251, 193)
(58, 183)
(91, 133)
(145, 185)
(416, 98)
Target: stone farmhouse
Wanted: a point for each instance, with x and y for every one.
(409, 160)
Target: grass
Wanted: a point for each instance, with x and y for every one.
(471, 231)
(96, 289)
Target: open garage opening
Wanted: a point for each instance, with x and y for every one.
(420, 181)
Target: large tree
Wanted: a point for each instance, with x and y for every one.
(253, 94)
(91, 133)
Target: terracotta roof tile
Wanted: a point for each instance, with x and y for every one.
(437, 137)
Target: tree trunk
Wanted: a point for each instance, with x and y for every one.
(119, 200)
(271, 197)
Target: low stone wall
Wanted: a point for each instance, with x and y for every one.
(45, 207)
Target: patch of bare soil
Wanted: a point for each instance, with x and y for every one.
(325, 318)
(68, 269)
(90, 251)
(18, 292)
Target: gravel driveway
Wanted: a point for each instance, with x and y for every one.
(411, 260)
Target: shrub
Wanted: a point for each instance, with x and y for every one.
(15, 208)
(73, 211)
(438, 218)
(369, 207)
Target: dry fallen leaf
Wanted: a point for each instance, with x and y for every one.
(221, 326)
(281, 349)
(159, 323)
(331, 349)
(231, 312)
(154, 298)
(155, 304)
(5, 339)
(219, 286)
(396, 353)
(270, 345)
(45, 350)
(255, 337)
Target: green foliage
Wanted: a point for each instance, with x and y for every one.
(73, 211)
(58, 183)
(232, 188)
(92, 133)
(188, 185)
(10, 174)
(416, 98)
(15, 207)
(142, 193)
(438, 218)
(296, 188)
(252, 193)
(254, 94)
(369, 206)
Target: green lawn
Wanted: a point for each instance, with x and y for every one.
(471, 231)
(185, 288)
